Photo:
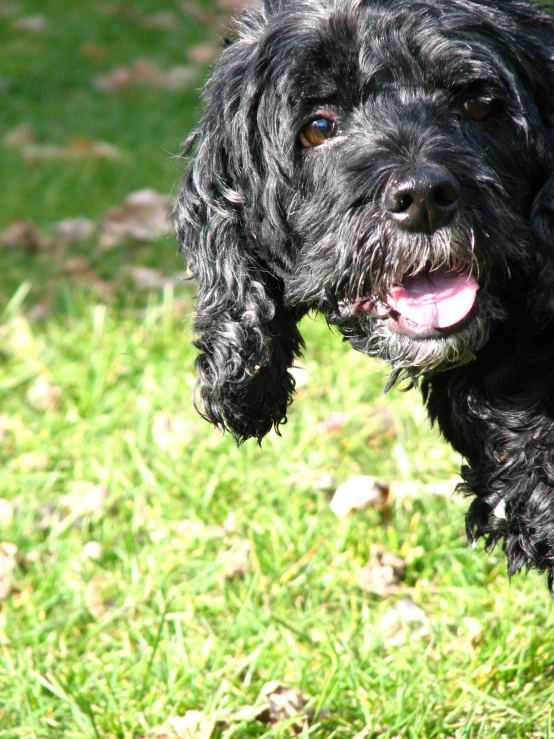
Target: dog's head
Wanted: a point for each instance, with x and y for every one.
(386, 163)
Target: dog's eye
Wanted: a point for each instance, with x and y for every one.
(480, 108)
(317, 132)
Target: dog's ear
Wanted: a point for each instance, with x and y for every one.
(247, 336)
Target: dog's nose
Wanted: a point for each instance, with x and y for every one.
(423, 199)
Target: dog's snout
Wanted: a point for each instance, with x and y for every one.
(423, 199)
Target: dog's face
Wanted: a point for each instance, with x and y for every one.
(380, 162)
(411, 131)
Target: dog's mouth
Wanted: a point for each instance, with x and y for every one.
(426, 305)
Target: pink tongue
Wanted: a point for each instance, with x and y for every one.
(434, 299)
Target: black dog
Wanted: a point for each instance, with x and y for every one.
(389, 163)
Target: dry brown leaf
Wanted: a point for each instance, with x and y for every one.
(19, 136)
(286, 703)
(359, 491)
(383, 573)
(144, 72)
(380, 422)
(6, 512)
(32, 462)
(236, 561)
(84, 498)
(38, 312)
(8, 555)
(412, 489)
(470, 632)
(77, 267)
(93, 598)
(148, 278)
(74, 230)
(203, 53)
(234, 7)
(143, 216)
(365, 733)
(43, 396)
(403, 621)
(169, 430)
(95, 52)
(334, 422)
(78, 148)
(24, 234)
(50, 517)
(193, 725)
(198, 13)
(201, 531)
(36, 24)
(165, 19)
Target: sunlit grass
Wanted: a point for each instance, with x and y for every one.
(120, 508)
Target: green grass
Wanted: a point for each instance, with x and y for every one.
(120, 616)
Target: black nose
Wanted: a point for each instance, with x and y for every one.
(423, 199)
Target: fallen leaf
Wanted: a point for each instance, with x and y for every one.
(32, 462)
(145, 72)
(8, 555)
(402, 621)
(201, 531)
(383, 573)
(93, 51)
(333, 422)
(148, 278)
(198, 13)
(193, 725)
(165, 19)
(380, 422)
(365, 733)
(37, 312)
(234, 7)
(236, 561)
(24, 234)
(144, 216)
(412, 489)
(78, 148)
(74, 230)
(203, 53)
(286, 703)
(19, 136)
(6, 512)
(79, 267)
(359, 491)
(84, 498)
(169, 430)
(36, 24)
(93, 598)
(50, 517)
(43, 396)
(471, 631)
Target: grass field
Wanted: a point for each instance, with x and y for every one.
(148, 567)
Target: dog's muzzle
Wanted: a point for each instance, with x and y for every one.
(424, 199)
(425, 305)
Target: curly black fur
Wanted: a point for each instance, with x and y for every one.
(448, 103)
